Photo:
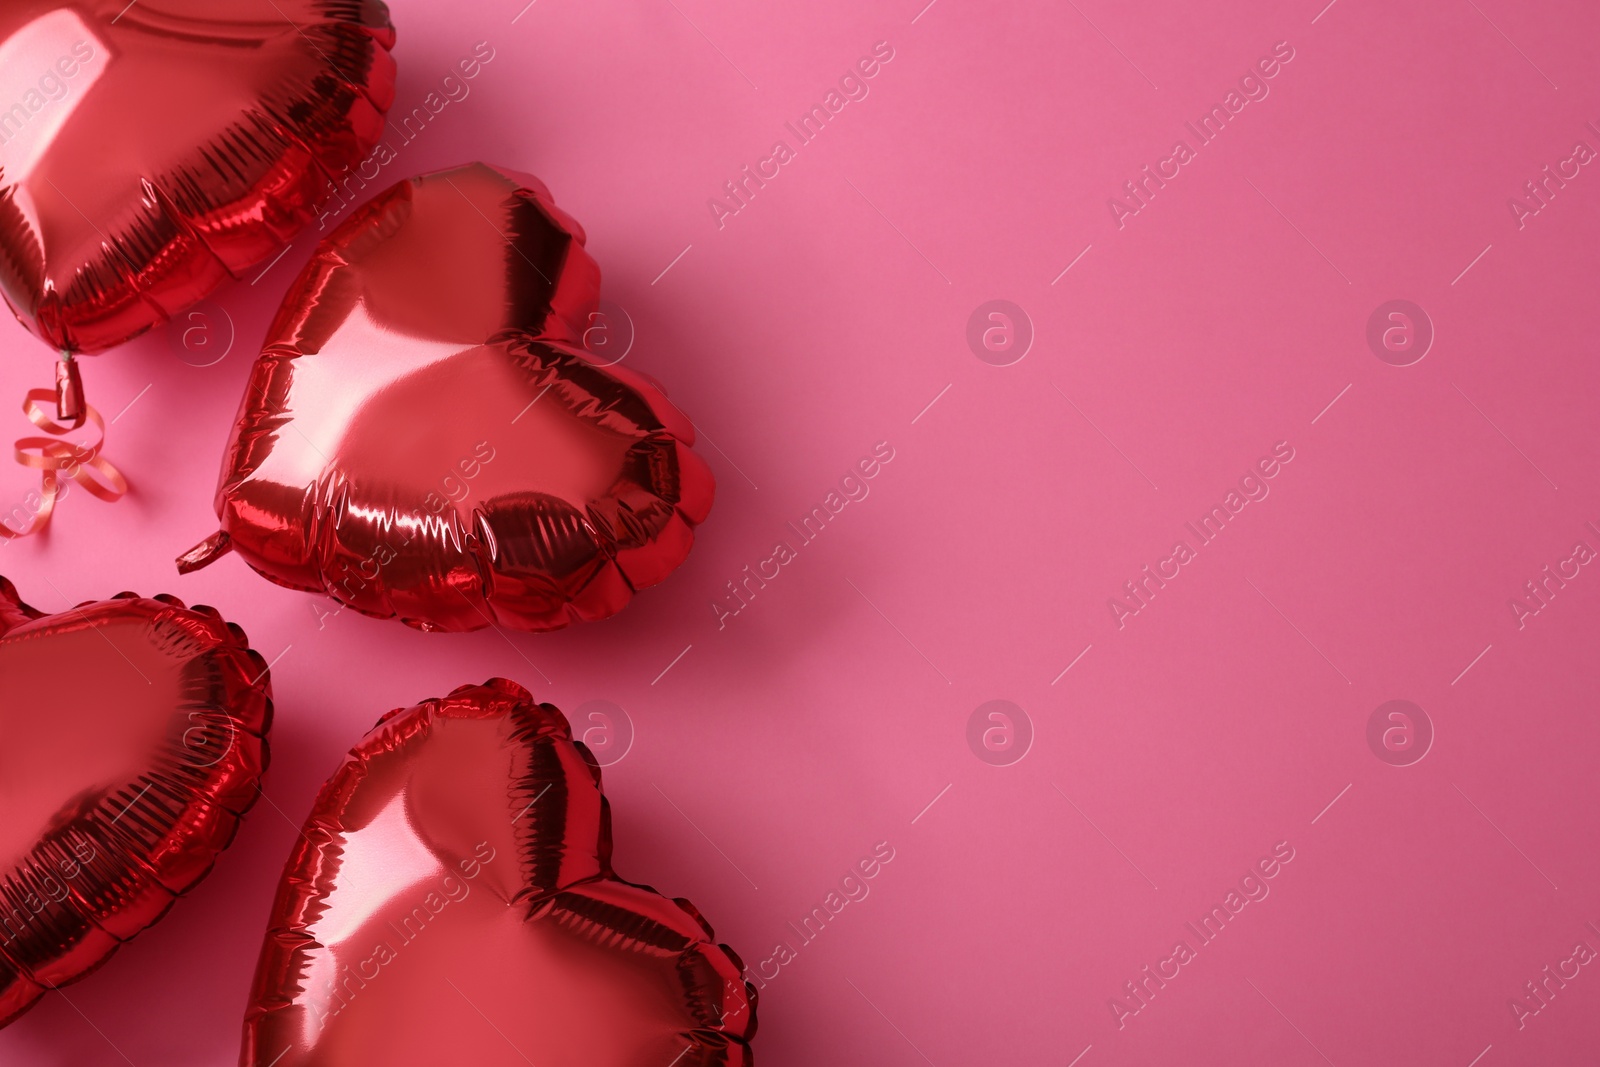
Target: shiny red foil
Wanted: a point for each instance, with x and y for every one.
(151, 151)
(451, 901)
(132, 741)
(424, 437)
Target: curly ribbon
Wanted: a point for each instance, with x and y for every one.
(61, 461)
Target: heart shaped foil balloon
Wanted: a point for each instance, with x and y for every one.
(452, 901)
(151, 150)
(132, 741)
(424, 437)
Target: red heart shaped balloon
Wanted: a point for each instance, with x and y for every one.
(151, 150)
(134, 737)
(452, 902)
(423, 437)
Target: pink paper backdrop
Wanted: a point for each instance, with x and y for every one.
(1165, 752)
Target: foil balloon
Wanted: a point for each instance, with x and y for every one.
(149, 151)
(134, 738)
(424, 436)
(451, 900)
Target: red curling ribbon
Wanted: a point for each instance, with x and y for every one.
(60, 461)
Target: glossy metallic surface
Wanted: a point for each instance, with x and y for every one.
(132, 740)
(424, 437)
(452, 901)
(150, 151)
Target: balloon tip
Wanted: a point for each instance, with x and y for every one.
(205, 553)
(69, 391)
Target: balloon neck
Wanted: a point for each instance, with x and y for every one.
(205, 553)
(69, 391)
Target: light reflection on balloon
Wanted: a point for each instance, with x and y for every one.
(451, 900)
(134, 738)
(424, 438)
(151, 151)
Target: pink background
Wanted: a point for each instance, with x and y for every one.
(824, 718)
